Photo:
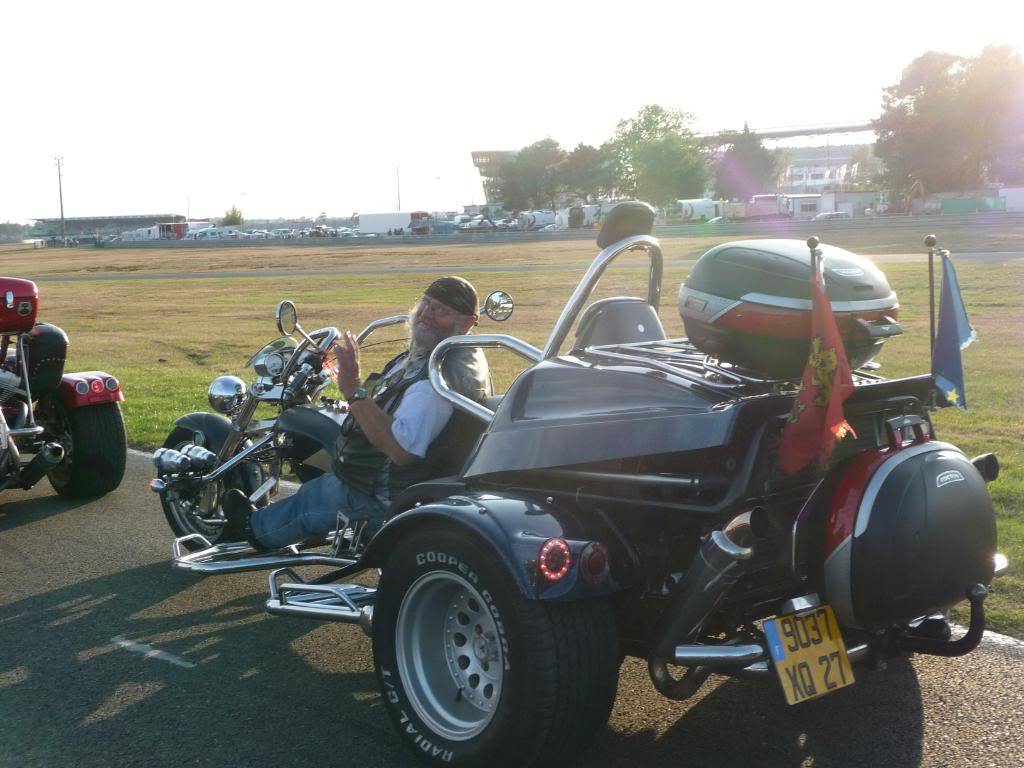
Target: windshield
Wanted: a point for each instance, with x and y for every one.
(285, 345)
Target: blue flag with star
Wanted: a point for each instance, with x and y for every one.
(954, 333)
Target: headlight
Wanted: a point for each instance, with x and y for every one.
(226, 393)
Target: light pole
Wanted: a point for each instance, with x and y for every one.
(60, 191)
(398, 187)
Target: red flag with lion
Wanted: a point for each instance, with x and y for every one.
(816, 420)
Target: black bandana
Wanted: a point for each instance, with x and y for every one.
(454, 292)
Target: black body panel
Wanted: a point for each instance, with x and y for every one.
(566, 411)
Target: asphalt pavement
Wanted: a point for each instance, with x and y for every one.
(109, 657)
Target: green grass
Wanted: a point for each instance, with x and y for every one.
(167, 339)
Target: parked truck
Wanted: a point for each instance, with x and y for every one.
(382, 223)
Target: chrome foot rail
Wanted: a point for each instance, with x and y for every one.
(347, 603)
(239, 556)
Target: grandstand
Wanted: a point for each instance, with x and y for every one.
(87, 226)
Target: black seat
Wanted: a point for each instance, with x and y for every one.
(618, 320)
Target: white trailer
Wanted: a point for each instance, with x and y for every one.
(701, 209)
(536, 219)
(380, 223)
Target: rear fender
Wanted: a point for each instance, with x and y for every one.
(97, 385)
(514, 528)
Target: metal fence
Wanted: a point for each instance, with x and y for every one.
(778, 228)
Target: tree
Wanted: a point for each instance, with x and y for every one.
(745, 168)
(657, 157)
(533, 177)
(589, 171)
(232, 217)
(668, 169)
(953, 123)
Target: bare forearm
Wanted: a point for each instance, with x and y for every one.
(376, 424)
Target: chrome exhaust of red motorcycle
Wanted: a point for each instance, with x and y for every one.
(715, 569)
(49, 456)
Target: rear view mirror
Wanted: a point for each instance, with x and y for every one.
(498, 306)
(287, 317)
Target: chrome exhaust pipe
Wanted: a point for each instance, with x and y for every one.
(713, 572)
(49, 457)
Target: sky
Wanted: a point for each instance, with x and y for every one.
(301, 108)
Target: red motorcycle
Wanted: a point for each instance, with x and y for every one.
(65, 426)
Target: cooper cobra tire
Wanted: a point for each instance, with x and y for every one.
(474, 674)
(95, 450)
(178, 517)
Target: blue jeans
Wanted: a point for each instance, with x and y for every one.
(312, 510)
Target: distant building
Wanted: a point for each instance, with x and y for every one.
(828, 169)
(488, 163)
(101, 225)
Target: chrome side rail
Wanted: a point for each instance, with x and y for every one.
(384, 322)
(483, 341)
(345, 603)
(594, 273)
(240, 556)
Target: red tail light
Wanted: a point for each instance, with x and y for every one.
(554, 560)
(594, 562)
(96, 386)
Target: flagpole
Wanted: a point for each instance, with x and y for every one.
(930, 242)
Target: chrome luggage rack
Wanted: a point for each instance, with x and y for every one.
(346, 603)
(680, 357)
(238, 557)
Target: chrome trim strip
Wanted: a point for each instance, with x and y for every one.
(482, 341)
(838, 589)
(716, 305)
(590, 279)
(883, 472)
(25, 431)
(770, 300)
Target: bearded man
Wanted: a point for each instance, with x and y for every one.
(394, 419)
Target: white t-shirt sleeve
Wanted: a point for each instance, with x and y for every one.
(420, 417)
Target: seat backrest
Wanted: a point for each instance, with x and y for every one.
(618, 320)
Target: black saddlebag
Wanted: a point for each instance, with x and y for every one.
(46, 349)
(908, 532)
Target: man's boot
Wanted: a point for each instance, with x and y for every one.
(238, 511)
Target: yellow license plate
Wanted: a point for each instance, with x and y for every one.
(808, 654)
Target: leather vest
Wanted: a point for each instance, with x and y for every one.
(367, 469)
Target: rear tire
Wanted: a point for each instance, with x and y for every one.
(473, 673)
(95, 450)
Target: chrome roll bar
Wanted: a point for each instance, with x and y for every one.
(384, 322)
(482, 341)
(594, 273)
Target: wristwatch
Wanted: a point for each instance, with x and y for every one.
(359, 394)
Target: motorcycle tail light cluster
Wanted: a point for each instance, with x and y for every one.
(554, 560)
